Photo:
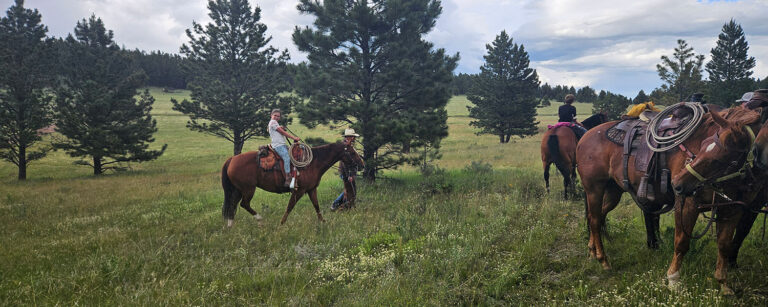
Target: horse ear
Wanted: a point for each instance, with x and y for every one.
(719, 120)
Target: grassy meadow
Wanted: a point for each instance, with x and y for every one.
(482, 233)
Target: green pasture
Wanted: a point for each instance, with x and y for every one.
(482, 233)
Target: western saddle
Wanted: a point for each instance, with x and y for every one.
(630, 134)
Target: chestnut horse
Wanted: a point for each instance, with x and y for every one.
(725, 163)
(558, 146)
(241, 175)
(601, 171)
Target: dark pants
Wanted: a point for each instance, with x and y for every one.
(579, 131)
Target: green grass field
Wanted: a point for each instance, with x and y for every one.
(155, 236)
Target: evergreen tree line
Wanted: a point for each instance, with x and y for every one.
(369, 68)
(162, 69)
(83, 86)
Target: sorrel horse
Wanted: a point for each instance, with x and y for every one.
(601, 172)
(725, 163)
(558, 146)
(241, 175)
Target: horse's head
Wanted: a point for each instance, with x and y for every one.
(722, 156)
(350, 157)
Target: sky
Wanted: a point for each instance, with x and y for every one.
(611, 45)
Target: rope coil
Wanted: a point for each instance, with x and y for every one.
(668, 142)
(301, 154)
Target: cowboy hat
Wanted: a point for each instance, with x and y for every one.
(350, 132)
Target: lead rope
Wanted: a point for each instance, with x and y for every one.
(709, 224)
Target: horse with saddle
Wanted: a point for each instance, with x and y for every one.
(690, 157)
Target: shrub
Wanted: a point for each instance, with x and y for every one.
(436, 181)
(479, 167)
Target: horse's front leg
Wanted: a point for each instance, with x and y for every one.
(295, 196)
(726, 226)
(685, 219)
(313, 197)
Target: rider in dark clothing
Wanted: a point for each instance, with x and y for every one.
(567, 113)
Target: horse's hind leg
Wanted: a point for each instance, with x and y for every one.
(651, 229)
(313, 196)
(742, 230)
(546, 175)
(229, 207)
(295, 196)
(246, 204)
(595, 194)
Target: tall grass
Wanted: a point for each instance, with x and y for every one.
(154, 236)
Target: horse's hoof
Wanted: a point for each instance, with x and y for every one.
(258, 217)
(673, 282)
(606, 266)
(725, 290)
(230, 223)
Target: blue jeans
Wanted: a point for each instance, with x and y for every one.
(579, 131)
(283, 152)
(341, 195)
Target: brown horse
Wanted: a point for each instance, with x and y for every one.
(724, 163)
(601, 172)
(241, 175)
(558, 146)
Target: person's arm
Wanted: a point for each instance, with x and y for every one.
(574, 118)
(286, 134)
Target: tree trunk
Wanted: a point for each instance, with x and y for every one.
(501, 138)
(508, 137)
(22, 163)
(238, 141)
(97, 167)
(369, 173)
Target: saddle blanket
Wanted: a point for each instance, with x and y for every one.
(560, 124)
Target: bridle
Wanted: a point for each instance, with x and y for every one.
(740, 173)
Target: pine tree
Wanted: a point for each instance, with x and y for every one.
(236, 79)
(504, 93)
(682, 72)
(613, 105)
(586, 94)
(730, 69)
(641, 97)
(25, 104)
(96, 105)
(370, 68)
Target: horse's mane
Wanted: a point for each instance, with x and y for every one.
(322, 151)
(738, 115)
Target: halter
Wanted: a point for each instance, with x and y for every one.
(741, 173)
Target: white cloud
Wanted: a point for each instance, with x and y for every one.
(607, 44)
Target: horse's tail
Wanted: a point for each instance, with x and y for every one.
(231, 194)
(554, 153)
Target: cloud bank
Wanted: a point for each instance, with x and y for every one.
(612, 45)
